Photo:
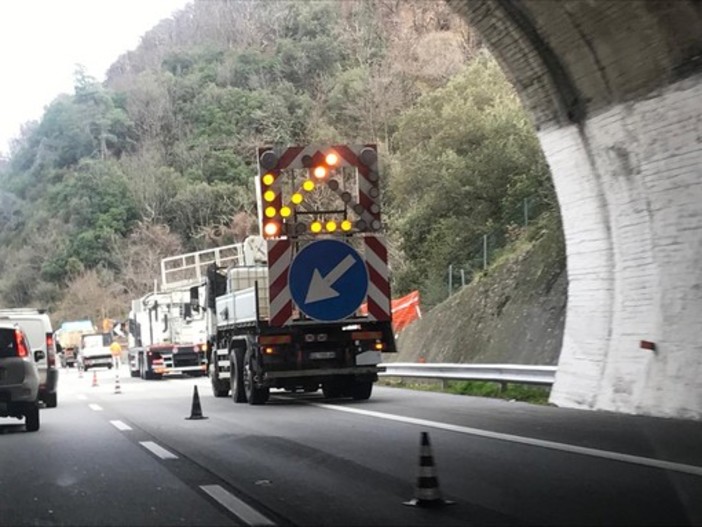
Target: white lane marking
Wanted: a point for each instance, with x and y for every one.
(119, 425)
(158, 450)
(553, 445)
(243, 511)
(81, 396)
(95, 407)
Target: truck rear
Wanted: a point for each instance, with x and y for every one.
(166, 335)
(290, 315)
(68, 336)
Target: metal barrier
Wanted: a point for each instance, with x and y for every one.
(503, 373)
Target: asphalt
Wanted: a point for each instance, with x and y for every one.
(301, 460)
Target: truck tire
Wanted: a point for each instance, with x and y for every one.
(236, 378)
(31, 417)
(134, 373)
(220, 388)
(310, 387)
(51, 400)
(254, 394)
(332, 389)
(146, 374)
(361, 390)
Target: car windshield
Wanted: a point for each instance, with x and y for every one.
(95, 341)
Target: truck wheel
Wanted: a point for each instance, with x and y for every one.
(31, 417)
(220, 388)
(361, 390)
(332, 389)
(311, 387)
(51, 400)
(255, 394)
(236, 378)
(134, 373)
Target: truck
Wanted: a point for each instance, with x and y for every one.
(68, 337)
(287, 314)
(165, 335)
(94, 351)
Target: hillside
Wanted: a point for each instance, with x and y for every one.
(160, 158)
(512, 314)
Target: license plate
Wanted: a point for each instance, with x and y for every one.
(322, 355)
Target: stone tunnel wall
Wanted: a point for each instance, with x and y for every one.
(615, 90)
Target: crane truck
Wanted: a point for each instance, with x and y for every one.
(287, 313)
(165, 334)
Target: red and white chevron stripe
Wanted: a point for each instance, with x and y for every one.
(281, 304)
(292, 157)
(378, 296)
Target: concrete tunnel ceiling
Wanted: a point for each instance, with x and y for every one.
(615, 91)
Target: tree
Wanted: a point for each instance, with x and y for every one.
(460, 173)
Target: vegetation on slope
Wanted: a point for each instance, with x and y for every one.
(160, 158)
(514, 312)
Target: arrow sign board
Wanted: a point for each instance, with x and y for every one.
(328, 280)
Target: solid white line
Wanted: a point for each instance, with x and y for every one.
(553, 445)
(119, 425)
(158, 450)
(95, 407)
(81, 396)
(245, 512)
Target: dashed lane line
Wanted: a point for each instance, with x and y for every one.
(242, 510)
(95, 407)
(120, 425)
(553, 445)
(158, 450)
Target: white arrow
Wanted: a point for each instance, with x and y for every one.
(321, 287)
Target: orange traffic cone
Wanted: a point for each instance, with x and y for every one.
(427, 493)
(196, 411)
(95, 383)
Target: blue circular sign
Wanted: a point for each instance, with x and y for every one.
(328, 280)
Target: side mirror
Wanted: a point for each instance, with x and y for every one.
(39, 355)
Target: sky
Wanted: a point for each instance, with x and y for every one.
(41, 41)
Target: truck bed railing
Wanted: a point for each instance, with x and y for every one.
(191, 268)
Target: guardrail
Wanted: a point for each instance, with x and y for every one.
(502, 373)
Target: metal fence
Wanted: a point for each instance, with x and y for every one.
(502, 373)
(487, 247)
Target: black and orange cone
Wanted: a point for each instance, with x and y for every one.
(196, 410)
(427, 493)
(118, 388)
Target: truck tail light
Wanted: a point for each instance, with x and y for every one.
(274, 339)
(366, 335)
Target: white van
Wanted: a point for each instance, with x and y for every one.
(37, 326)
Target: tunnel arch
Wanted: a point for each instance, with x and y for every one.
(615, 91)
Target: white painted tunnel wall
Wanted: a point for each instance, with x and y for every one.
(629, 184)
